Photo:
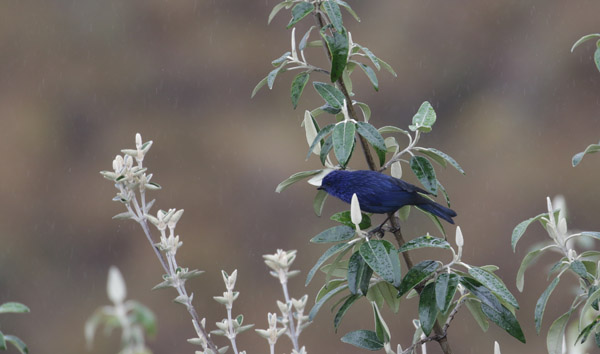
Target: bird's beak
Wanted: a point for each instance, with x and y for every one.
(321, 188)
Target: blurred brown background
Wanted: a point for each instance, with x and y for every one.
(80, 78)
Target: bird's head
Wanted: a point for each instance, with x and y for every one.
(329, 181)
(323, 180)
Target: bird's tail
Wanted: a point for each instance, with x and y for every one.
(438, 210)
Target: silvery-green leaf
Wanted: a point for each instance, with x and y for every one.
(335, 16)
(259, 86)
(363, 339)
(343, 141)
(295, 178)
(423, 119)
(540, 306)
(583, 39)
(425, 173)
(554, 339)
(520, 229)
(299, 11)
(349, 9)
(278, 8)
(333, 96)
(13, 307)
(298, 85)
(589, 150)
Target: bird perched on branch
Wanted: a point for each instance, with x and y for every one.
(381, 194)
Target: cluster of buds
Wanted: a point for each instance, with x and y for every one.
(298, 307)
(272, 333)
(556, 223)
(280, 263)
(201, 341)
(162, 221)
(230, 327)
(129, 176)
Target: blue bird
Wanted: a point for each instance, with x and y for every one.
(381, 194)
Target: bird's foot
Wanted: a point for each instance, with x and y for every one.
(379, 231)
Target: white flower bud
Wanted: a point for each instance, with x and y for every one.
(355, 214)
(459, 237)
(116, 286)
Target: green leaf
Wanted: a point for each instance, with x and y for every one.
(587, 331)
(2, 341)
(349, 9)
(371, 75)
(335, 16)
(370, 55)
(324, 299)
(381, 328)
(597, 58)
(17, 343)
(298, 86)
(444, 193)
(424, 241)
(322, 133)
(295, 178)
(338, 48)
(259, 86)
(328, 287)
(299, 12)
(387, 67)
(13, 307)
(554, 340)
(393, 129)
(588, 307)
(589, 150)
(364, 339)
(304, 39)
(325, 149)
(431, 155)
(281, 59)
(435, 152)
(520, 229)
(424, 172)
(583, 39)
(493, 309)
(474, 307)
(492, 282)
(319, 201)
(592, 234)
(343, 217)
(423, 119)
(374, 138)
(330, 252)
(334, 97)
(334, 234)
(273, 74)
(540, 306)
(359, 275)
(480, 291)
(505, 320)
(445, 287)
(416, 275)
(278, 8)
(342, 311)
(385, 292)
(527, 261)
(579, 268)
(427, 308)
(382, 257)
(365, 109)
(343, 141)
